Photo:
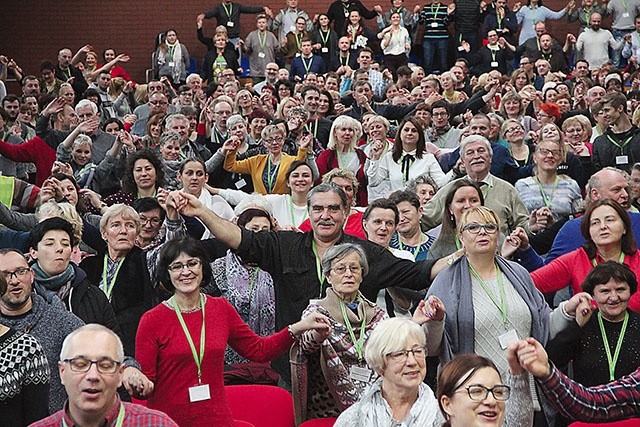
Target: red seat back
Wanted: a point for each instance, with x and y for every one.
(633, 422)
(261, 405)
(319, 422)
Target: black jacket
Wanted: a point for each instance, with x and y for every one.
(132, 294)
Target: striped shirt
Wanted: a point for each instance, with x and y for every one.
(435, 19)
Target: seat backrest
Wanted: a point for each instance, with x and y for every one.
(319, 422)
(261, 405)
(632, 422)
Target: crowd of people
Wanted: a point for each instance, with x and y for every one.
(423, 224)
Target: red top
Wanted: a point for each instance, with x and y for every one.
(164, 353)
(35, 151)
(353, 226)
(572, 268)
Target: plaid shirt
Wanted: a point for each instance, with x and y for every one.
(135, 416)
(609, 402)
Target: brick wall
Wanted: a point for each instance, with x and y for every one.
(34, 30)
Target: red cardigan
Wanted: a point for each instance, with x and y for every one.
(165, 356)
(572, 268)
(34, 151)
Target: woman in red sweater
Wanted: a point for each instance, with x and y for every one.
(608, 235)
(188, 377)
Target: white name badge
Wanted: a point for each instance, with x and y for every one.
(346, 14)
(494, 64)
(298, 54)
(360, 374)
(199, 393)
(230, 24)
(241, 183)
(507, 338)
(434, 25)
(622, 160)
(325, 50)
(172, 64)
(460, 48)
(261, 55)
(626, 15)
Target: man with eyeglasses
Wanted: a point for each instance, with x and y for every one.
(91, 369)
(270, 77)
(158, 104)
(442, 133)
(24, 310)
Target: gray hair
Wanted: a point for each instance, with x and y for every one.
(327, 187)
(425, 178)
(337, 252)
(169, 136)
(113, 211)
(93, 328)
(474, 138)
(389, 336)
(172, 118)
(193, 76)
(234, 119)
(345, 122)
(85, 102)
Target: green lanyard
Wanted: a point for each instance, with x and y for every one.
(503, 301)
(547, 200)
(347, 61)
(612, 362)
(197, 358)
(624, 144)
(620, 260)
(299, 41)
(262, 40)
(306, 66)
(229, 11)
(171, 50)
(271, 176)
(293, 218)
(499, 19)
(315, 130)
(458, 244)
(358, 344)
(318, 267)
(108, 286)
(253, 275)
(435, 14)
(416, 250)
(493, 53)
(587, 17)
(119, 420)
(342, 163)
(325, 40)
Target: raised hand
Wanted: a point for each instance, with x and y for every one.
(534, 358)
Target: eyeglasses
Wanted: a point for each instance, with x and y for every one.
(513, 129)
(524, 63)
(545, 152)
(478, 392)
(155, 221)
(18, 273)
(273, 140)
(443, 114)
(475, 228)
(158, 102)
(341, 269)
(401, 356)
(191, 265)
(224, 112)
(82, 364)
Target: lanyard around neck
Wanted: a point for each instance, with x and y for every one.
(271, 175)
(318, 267)
(620, 259)
(358, 344)
(119, 420)
(293, 218)
(415, 250)
(108, 285)
(229, 11)
(502, 305)
(546, 199)
(613, 361)
(196, 357)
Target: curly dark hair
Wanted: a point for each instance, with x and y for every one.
(128, 183)
(172, 250)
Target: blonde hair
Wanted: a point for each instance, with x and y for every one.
(486, 215)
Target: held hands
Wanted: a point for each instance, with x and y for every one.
(136, 383)
(579, 306)
(305, 140)
(466, 46)
(431, 309)
(517, 240)
(532, 357)
(451, 8)
(230, 145)
(417, 9)
(315, 321)
(376, 150)
(186, 204)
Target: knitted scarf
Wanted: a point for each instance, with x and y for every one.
(50, 287)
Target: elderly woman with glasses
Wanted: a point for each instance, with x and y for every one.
(397, 350)
(491, 301)
(181, 342)
(341, 153)
(268, 171)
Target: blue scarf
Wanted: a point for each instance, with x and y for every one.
(50, 287)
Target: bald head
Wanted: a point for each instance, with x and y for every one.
(609, 183)
(64, 58)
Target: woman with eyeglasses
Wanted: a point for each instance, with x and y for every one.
(268, 171)
(181, 342)
(491, 301)
(338, 352)
(606, 228)
(471, 393)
